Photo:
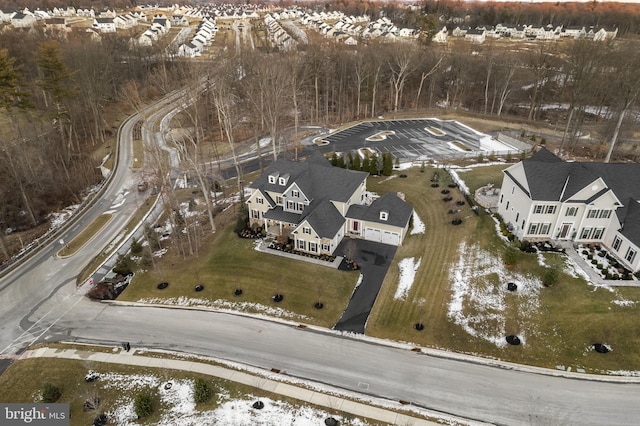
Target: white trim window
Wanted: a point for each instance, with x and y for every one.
(301, 244)
(597, 233)
(313, 247)
(599, 214)
(617, 241)
(384, 215)
(586, 232)
(533, 229)
(550, 210)
(272, 179)
(571, 211)
(630, 256)
(538, 208)
(259, 200)
(325, 247)
(306, 230)
(295, 193)
(255, 214)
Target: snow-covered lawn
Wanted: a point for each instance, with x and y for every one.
(408, 268)
(178, 407)
(479, 295)
(418, 225)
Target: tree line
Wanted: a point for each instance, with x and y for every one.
(60, 99)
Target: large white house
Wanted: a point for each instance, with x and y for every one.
(317, 205)
(547, 198)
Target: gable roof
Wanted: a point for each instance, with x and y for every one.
(552, 179)
(398, 211)
(316, 178)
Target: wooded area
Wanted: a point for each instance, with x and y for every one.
(60, 99)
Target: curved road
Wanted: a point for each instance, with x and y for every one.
(39, 301)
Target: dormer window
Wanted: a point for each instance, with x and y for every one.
(384, 215)
(272, 179)
(282, 181)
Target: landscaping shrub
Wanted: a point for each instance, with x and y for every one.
(594, 262)
(551, 276)
(143, 405)
(136, 247)
(201, 391)
(50, 393)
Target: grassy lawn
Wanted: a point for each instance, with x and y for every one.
(557, 324)
(119, 384)
(138, 154)
(230, 263)
(85, 236)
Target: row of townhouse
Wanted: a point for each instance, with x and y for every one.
(531, 32)
(199, 43)
(160, 26)
(277, 35)
(546, 198)
(27, 18)
(105, 24)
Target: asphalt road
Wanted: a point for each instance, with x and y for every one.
(465, 389)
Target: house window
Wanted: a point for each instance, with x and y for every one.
(295, 194)
(272, 179)
(584, 235)
(325, 247)
(572, 211)
(599, 214)
(537, 209)
(313, 247)
(517, 216)
(291, 205)
(306, 230)
(507, 207)
(384, 215)
(631, 255)
(597, 233)
(279, 200)
(533, 228)
(356, 225)
(513, 188)
(300, 207)
(259, 200)
(544, 229)
(501, 197)
(616, 243)
(551, 210)
(255, 214)
(301, 244)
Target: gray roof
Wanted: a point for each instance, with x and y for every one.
(552, 179)
(325, 219)
(316, 178)
(398, 211)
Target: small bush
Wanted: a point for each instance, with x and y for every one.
(143, 405)
(50, 393)
(594, 262)
(551, 276)
(585, 252)
(201, 391)
(136, 247)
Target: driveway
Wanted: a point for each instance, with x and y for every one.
(374, 260)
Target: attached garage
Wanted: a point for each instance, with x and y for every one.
(392, 238)
(372, 234)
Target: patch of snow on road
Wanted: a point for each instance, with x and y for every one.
(418, 225)
(478, 299)
(408, 268)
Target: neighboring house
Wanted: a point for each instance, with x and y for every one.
(104, 25)
(441, 36)
(22, 20)
(475, 36)
(546, 198)
(56, 25)
(317, 205)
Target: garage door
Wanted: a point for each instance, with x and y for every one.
(372, 234)
(392, 238)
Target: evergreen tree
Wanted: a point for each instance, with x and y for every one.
(12, 86)
(334, 159)
(365, 163)
(349, 162)
(357, 164)
(387, 164)
(373, 165)
(340, 163)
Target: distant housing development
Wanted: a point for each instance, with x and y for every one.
(545, 198)
(317, 205)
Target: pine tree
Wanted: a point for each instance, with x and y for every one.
(12, 86)
(373, 165)
(365, 164)
(387, 164)
(334, 159)
(357, 164)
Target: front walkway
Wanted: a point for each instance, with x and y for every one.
(594, 277)
(328, 401)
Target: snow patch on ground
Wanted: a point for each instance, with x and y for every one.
(223, 305)
(478, 300)
(418, 225)
(180, 409)
(408, 268)
(574, 270)
(461, 184)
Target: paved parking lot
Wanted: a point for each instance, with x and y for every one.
(416, 139)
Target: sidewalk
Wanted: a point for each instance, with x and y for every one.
(330, 402)
(263, 246)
